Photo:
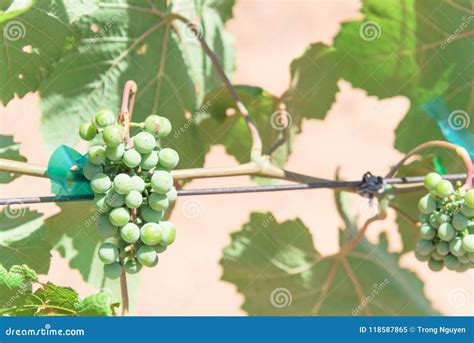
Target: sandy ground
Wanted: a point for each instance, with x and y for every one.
(357, 135)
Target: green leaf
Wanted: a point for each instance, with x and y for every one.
(275, 266)
(33, 39)
(11, 151)
(134, 42)
(22, 238)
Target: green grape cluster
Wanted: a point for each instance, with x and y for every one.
(133, 187)
(447, 225)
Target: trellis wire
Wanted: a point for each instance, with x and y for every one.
(239, 190)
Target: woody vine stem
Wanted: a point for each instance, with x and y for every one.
(259, 165)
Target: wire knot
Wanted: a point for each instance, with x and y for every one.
(370, 185)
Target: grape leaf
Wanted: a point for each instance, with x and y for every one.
(33, 38)
(135, 41)
(412, 48)
(11, 151)
(22, 238)
(275, 266)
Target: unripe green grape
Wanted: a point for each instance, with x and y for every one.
(115, 153)
(172, 194)
(462, 268)
(89, 170)
(431, 180)
(137, 183)
(87, 131)
(422, 258)
(144, 142)
(424, 218)
(468, 243)
(470, 256)
(437, 256)
(119, 216)
(132, 266)
(435, 266)
(455, 247)
(113, 270)
(427, 204)
(101, 203)
(467, 211)
(158, 202)
(434, 222)
(159, 126)
(460, 222)
(105, 227)
(108, 253)
(424, 247)
(100, 183)
(168, 158)
(96, 154)
(150, 233)
(133, 199)
(122, 184)
(443, 218)
(160, 248)
(463, 259)
(130, 233)
(161, 181)
(451, 262)
(131, 158)
(469, 198)
(150, 215)
(168, 234)
(149, 161)
(442, 248)
(444, 188)
(113, 135)
(147, 256)
(113, 199)
(103, 117)
(446, 232)
(427, 231)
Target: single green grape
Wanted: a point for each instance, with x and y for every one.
(434, 220)
(422, 258)
(442, 248)
(113, 270)
(446, 232)
(122, 184)
(149, 161)
(463, 259)
(468, 243)
(443, 218)
(444, 188)
(101, 203)
(427, 204)
(137, 183)
(108, 253)
(469, 199)
(89, 170)
(115, 153)
(168, 158)
(467, 211)
(158, 202)
(144, 142)
(455, 247)
(150, 215)
(470, 256)
(160, 248)
(159, 126)
(133, 199)
(150, 233)
(103, 117)
(100, 183)
(437, 256)
(113, 199)
(130, 233)
(172, 194)
(460, 222)
(132, 266)
(113, 135)
(168, 233)
(427, 231)
(431, 180)
(147, 256)
(451, 262)
(105, 227)
(161, 181)
(87, 131)
(96, 154)
(435, 266)
(119, 216)
(131, 158)
(424, 218)
(424, 247)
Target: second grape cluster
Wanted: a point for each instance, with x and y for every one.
(133, 186)
(447, 226)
